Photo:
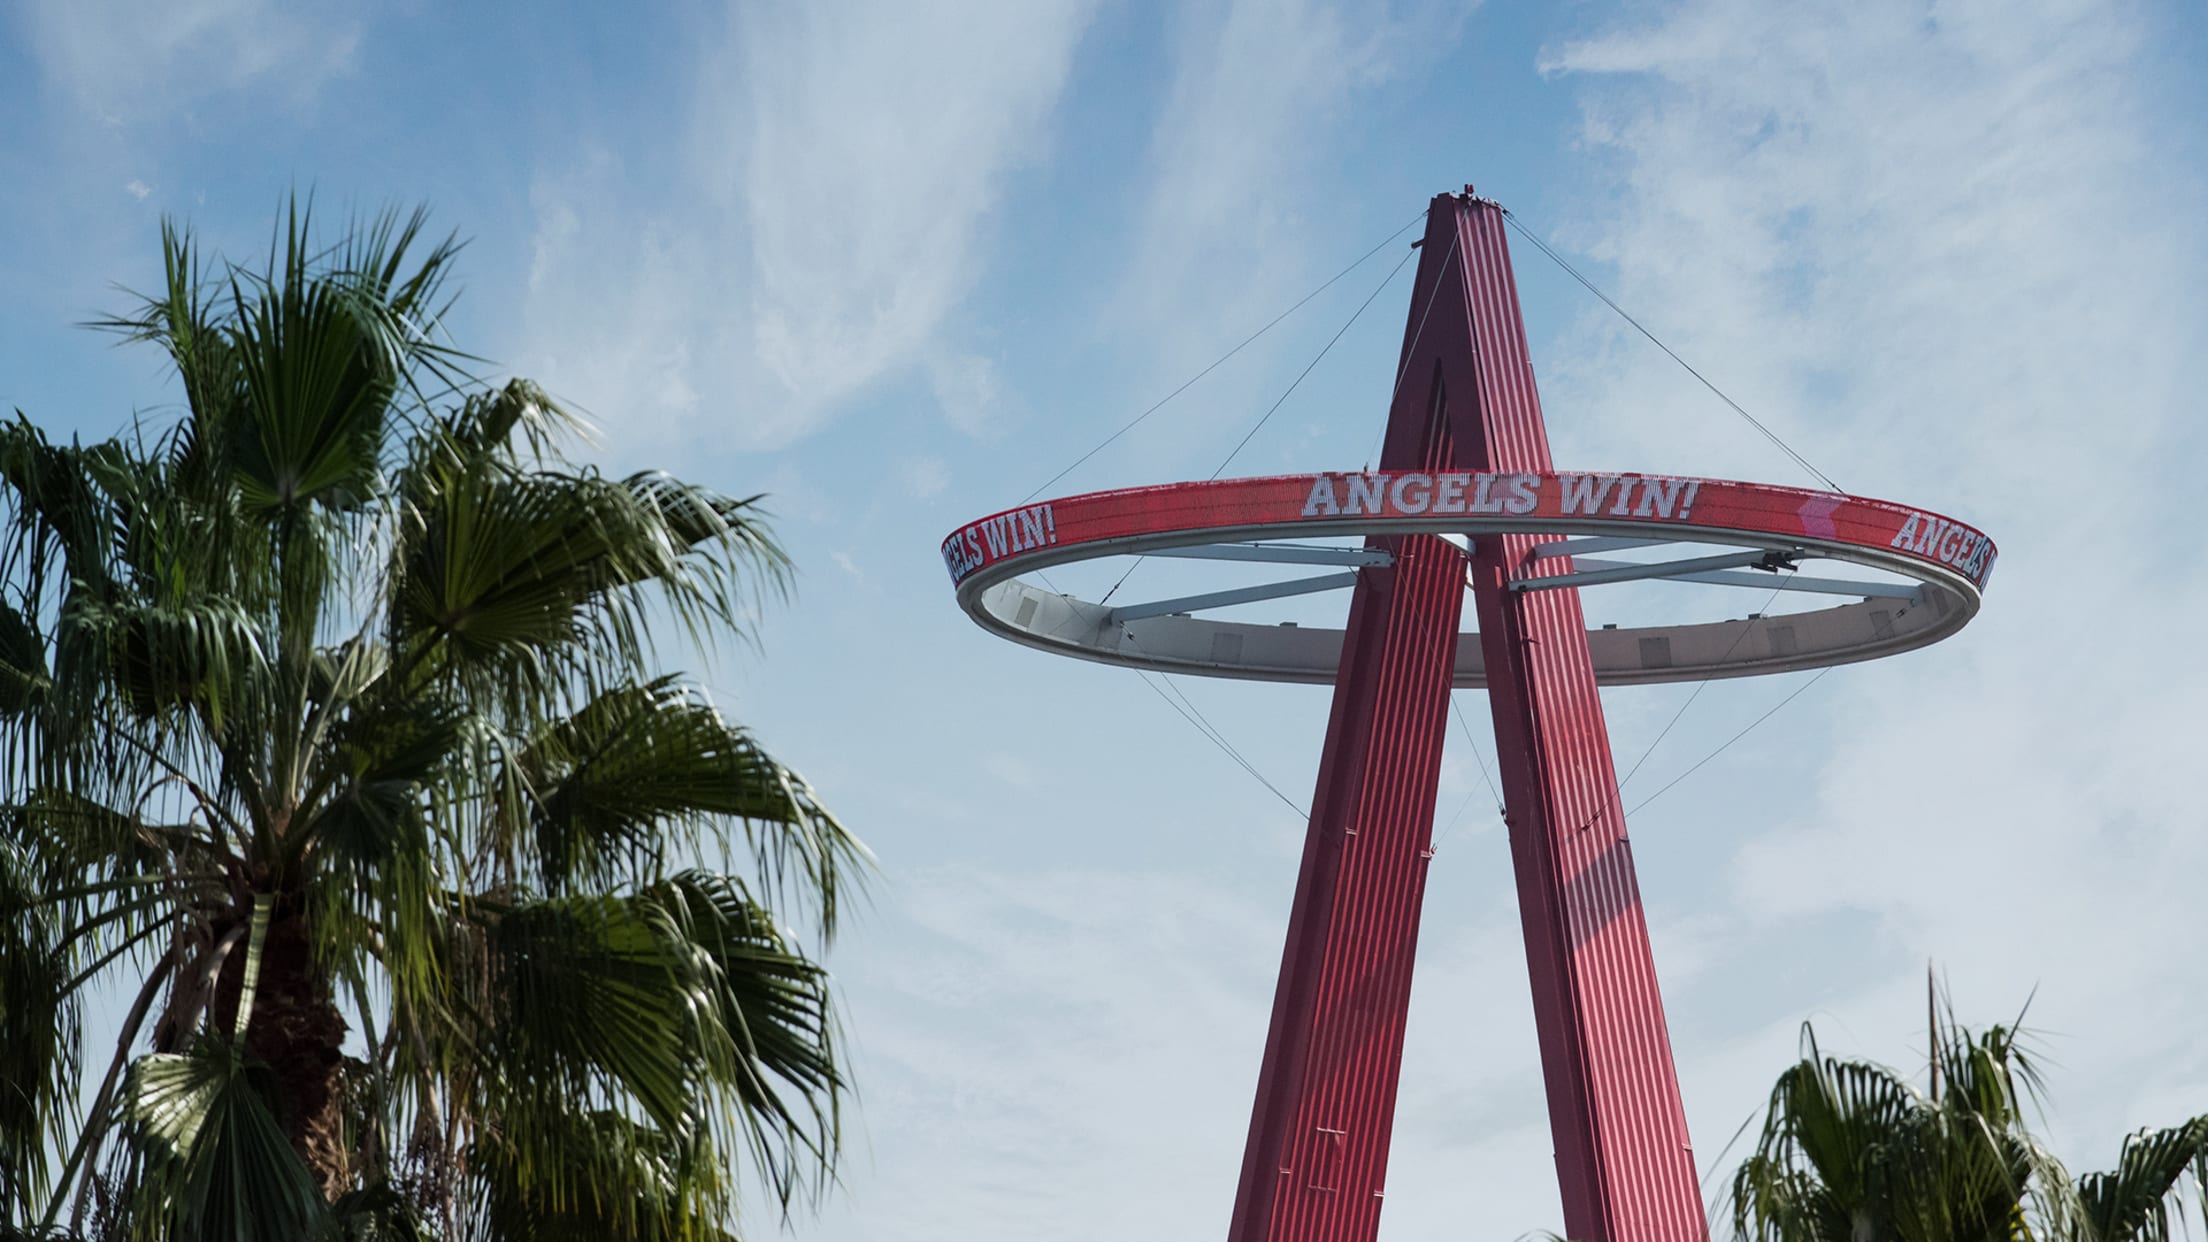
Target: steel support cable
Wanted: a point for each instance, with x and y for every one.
(1403, 368)
(1132, 423)
(1471, 740)
(1195, 716)
(1697, 766)
(1331, 341)
(1283, 398)
(1797, 692)
(1210, 731)
(1617, 799)
(1454, 819)
(1757, 617)
(1768, 434)
(1197, 720)
(1233, 752)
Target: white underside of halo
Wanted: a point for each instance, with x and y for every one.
(1882, 618)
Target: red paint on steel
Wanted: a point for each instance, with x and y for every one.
(1467, 450)
(1622, 1155)
(1664, 506)
(1316, 1161)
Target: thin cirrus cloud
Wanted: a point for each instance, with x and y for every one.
(1252, 122)
(1879, 222)
(1866, 225)
(132, 60)
(840, 163)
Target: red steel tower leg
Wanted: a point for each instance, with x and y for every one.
(1318, 1146)
(1316, 1162)
(1622, 1156)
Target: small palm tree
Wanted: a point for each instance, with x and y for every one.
(1852, 1152)
(333, 743)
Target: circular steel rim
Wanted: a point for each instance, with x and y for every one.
(1945, 562)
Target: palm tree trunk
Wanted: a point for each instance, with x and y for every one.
(298, 1033)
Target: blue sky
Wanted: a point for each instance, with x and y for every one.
(897, 265)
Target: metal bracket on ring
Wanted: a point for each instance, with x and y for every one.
(1769, 561)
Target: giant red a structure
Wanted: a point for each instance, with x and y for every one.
(1316, 1163)
(1466, 456)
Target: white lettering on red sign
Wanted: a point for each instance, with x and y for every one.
(1417, 493)
(1412, 494)
(1950, 543)
(1021, 530)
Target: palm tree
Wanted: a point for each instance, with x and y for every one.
(333, 746)
(1852, 1152)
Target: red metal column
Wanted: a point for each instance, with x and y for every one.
(1622, 1155)
(1315, 1165)
(1317, 1156)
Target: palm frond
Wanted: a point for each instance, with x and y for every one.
(59, 524)
(1850, 1150)
(212, 1161)
(348, 673)
(2132, 1202)
(515, 423)
(641, 770)
(205, 653)
(774, 1009)
(620, 1181)
(526, 580)
(682, 1007)
(40, 1029)
(24, 681)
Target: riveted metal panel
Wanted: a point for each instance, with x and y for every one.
(1316, 1163)
(1623, 1158)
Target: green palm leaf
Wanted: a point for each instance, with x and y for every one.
(333, 728)
(521, 569)
(682, 1006)
(1850, 1152)
(620, 1181)
(2132, 1201)
(24, 681)
(39, 1030)
(599, 791)
(214, 1163)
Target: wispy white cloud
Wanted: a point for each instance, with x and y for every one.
(1249, 84)
(879, 140)
(1939, 253)
(129, 60)
(1876, 230)
(1011, 770)
(926, 477)
(1056, 1036)
(968, 390)
(841, 163)
(1252, 120)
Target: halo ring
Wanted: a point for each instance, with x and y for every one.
(1944, 565)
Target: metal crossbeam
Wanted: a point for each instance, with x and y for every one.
(1241, 595)
(1279, 553)
(1779, 582)
(1597, 543)
(1621, 572)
